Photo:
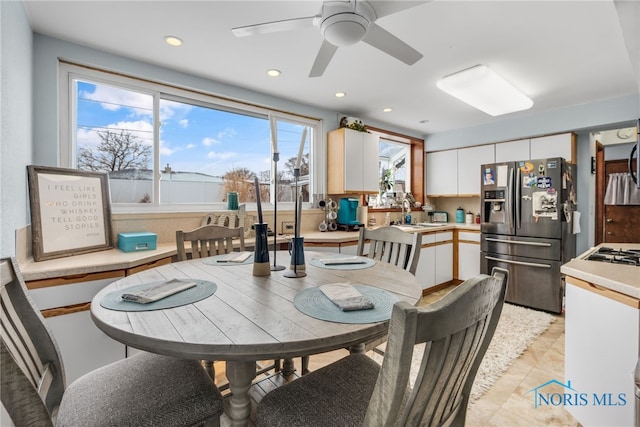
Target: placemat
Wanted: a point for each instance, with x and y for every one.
(203, 289)
(314, 303)
(368, 262)
(213, 260)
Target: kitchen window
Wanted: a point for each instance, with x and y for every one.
(163, 146)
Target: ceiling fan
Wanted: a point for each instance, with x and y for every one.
(344, 23)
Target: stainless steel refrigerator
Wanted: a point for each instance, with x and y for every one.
(527, 211)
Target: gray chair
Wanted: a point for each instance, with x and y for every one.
(208, 240)
(147, 389)
(391, 245)
(356, 391)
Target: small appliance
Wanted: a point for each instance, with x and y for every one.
(348, 211)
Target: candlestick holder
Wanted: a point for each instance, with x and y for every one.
(297, 266)
(275, 266)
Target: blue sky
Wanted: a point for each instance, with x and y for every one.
(192, 138)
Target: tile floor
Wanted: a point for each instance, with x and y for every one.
(508, 402)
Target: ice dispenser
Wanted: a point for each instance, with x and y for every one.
(494, 207)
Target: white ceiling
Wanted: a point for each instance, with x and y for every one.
(560, 53)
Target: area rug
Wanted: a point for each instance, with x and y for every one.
(517, 328)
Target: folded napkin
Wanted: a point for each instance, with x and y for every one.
(235, 257)
(158, 291)
(346, 297)
(343, 261)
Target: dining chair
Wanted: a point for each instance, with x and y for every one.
(456, 331)
(391, 245)
(208, 240)
(146, 389)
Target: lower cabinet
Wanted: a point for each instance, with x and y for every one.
(435, 265)
(468, 254)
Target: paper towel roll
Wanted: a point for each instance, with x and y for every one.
(576, 222)
(363, 214)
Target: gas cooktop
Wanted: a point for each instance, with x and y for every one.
(616, 256)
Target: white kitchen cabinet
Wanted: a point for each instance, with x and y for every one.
(560, 145)
(468, 254)
(444, 257)
(352, 162)
(512, 151)
(469, 172)
(442, 173)
(435, 265)
(426, 270)
(602, 330)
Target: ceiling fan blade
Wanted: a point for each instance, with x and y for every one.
(274, 27)
(327, 50)
(381, 39)
(384, 8)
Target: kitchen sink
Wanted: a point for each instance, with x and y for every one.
(419, 225)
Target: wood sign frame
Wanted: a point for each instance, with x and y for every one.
(70, 212)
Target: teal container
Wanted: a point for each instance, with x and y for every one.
(232, 201)
(460, 216)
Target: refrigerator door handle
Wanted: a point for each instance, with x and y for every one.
(517, 198)
(529, 264)
(516, 242)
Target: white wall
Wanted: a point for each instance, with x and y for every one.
(16, 103)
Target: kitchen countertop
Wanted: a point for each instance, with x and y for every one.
(115, 259)
(624, 279)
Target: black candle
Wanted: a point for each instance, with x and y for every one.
(258, 200)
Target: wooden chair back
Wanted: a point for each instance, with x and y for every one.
(32, 379)
(391, 245)
(456, 331)
(208, 240)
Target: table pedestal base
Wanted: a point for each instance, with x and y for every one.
(240, 376)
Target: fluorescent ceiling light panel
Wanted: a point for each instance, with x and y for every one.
(485, 90)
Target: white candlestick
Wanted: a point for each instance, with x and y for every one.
(274, 135)
(301, 149)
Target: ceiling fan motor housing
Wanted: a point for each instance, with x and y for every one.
(345, 24)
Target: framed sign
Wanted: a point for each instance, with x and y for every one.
(70, 212)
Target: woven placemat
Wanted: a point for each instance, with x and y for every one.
(314, 303)
(213, 260)
(203, 289)
(317, 262)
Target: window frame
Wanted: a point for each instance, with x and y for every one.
(69, 72)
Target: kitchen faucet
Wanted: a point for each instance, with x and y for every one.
(404, 200)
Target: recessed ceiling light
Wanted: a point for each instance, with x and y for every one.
(173, 40)
(485, 90)
(273, 72)
(387, 110)
(340, 94)
(424, 121)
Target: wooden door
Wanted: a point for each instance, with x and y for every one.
(620, 222)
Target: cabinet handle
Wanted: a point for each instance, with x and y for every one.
(609, 220)
(508, 261)
(516, 242)
(609, 233)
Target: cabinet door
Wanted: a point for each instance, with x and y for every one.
(83, 346)
(444, 263)
(512, 151)
(353, 165)
(426, 271)
(468, 260)
(370, 158)
(561, 145)
(442, 173)
(469, 162)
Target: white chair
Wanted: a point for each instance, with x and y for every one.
(356, 391)
(146, 389)
(208, 240)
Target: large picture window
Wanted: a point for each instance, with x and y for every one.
(162, 146)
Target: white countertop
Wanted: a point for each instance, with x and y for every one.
(621, 278)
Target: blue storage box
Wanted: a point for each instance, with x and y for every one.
(134, 242)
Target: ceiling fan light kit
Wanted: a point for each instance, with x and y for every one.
(484, 89)
(344, 23)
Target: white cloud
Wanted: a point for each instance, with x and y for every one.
(207, 141)
(190, 146)
(227, 133)
(141, 129)
(184, 123)
(221, 156)
(113, 99)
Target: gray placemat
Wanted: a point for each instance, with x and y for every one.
(368, 262)
(314, 303)
(203, 289)
(213, 260)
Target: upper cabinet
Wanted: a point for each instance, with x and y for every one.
(512, 151)
(442, 173)
(457, 172)
(352, 162)
(561, 145)
(469, 162)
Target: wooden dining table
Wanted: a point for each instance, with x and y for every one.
(248, 318)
